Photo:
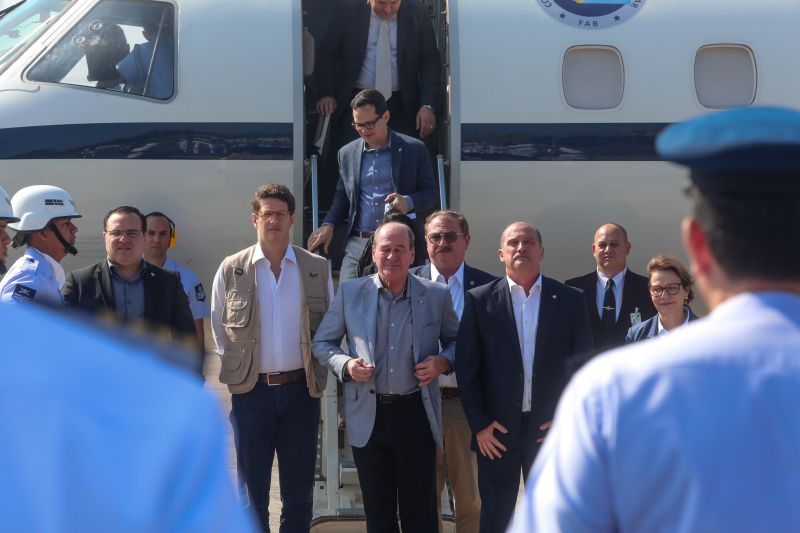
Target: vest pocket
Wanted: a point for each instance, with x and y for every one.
(236, 362)
(237, 309)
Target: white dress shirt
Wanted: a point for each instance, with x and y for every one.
(456, 285)
(526, 316)
(619, 280)
(280, 307)
(366, 78)
(662, 330)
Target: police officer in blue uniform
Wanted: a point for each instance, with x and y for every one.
(698, 430)
(45, 227)
(6, 216)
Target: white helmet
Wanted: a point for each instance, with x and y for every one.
(6, 211)
(37, 205)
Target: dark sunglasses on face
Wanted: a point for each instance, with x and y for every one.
(449, 237)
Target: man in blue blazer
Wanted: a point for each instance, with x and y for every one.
(447, 237)
(515, 338)
(380, 171)
(394, 324)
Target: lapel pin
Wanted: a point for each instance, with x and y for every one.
(554, 297)
(420, 300)
(152, 274)
(472, 282)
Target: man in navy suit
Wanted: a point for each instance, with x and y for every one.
(447, 237)
(380, 171)
(616, 298)
(350, 60)
(515, 338)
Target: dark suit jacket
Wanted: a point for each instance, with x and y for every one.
(341, 55)
(634, 294)
(473, 277)
(489, 357)
(649, 328)
(165, 303)
(412, 176)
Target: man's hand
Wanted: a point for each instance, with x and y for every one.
(321, 237)
(398, 201)
(430, 368)
(359, 370)
(488, 444)
(544, 427)
(326, 105)
(426, 121)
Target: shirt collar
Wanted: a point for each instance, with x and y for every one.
(618, 279)
(376, 279)
(662, 329)
(58, 270)
(114, 268)
(259, 255)
(520, 288)
(385, 147)
(375, 18)
(459, 275)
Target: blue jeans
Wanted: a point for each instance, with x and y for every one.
(282, 419)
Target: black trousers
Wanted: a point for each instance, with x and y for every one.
(398, 465)
(498, 479)
(282, 419)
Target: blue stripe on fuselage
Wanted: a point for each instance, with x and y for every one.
(560, 142)
(148, 140)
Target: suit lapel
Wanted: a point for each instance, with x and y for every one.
(416, 291)
(362, 31)
(626, 307)
(397, 159)
(404, 22)
(469, 278)
(106, 289)
(506, 309)
(369, 306)
(151, 296)
(548, 305)
(356, 173)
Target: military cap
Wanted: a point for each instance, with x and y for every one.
(740, 152)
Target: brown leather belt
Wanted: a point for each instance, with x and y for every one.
(282, 378)
(448, 393)
(362, 234)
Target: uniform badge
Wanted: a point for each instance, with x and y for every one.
(636, 317)
(199, 293)
(21, 292)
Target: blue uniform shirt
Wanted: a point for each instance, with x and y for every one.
(697, 430)
(133, 68)
(101, 435)
(34, 276)
(195, 293)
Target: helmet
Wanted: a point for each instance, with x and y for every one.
(6, 211)
(37, 205)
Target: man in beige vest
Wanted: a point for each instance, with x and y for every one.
(266, 304)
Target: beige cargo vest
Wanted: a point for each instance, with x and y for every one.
(240, 317)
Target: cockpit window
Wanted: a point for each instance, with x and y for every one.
(120, 45)
(22, 22)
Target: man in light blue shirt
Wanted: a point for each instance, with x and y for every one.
(104, 432)
(698, 430)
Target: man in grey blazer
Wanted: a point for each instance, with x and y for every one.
(394, 324)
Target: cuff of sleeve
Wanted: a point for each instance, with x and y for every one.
(410, 203)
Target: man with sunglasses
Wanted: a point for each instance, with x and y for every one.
(447, 236)
(380, 171)
(127, 287)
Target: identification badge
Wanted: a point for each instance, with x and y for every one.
(199, 293)
(636, 317)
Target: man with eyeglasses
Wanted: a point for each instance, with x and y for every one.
(447, 236)
(44, 226)
(380, 171)
(126, 286)
(267, 302)
(616, 297)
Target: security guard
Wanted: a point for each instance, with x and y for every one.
(6, 216)
(45, 227)
(698, 430)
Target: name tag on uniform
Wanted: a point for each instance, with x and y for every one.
(636, 317)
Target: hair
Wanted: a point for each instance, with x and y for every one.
(619, 227)
(125, 210)
(273, 190)
(447, 213)
(667, 263)
(369, 97)
(408, 228)
(535, 231)
(751, 237)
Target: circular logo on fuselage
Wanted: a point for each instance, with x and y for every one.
(592, 14)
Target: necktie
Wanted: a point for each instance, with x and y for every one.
(383, 62)
(609, 317)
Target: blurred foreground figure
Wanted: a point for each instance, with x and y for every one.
(101, 435)
(698, 430)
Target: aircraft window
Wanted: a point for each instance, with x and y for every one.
(725, 76)
(21, 24)
(593, 77)
(120, 45)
